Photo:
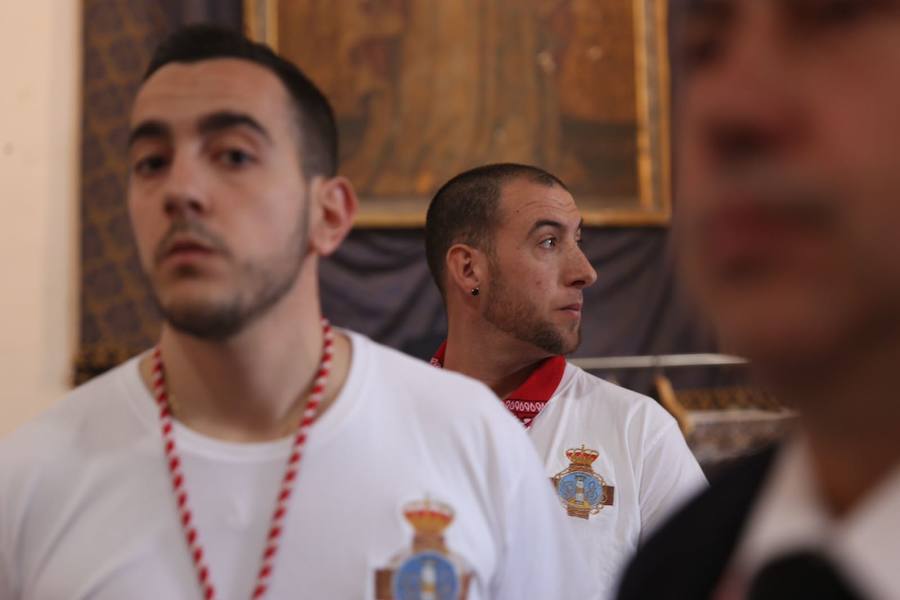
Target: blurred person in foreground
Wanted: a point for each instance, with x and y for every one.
(257, 451)
(787, 222)
(503, 244)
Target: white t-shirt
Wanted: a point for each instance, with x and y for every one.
(641, 454)
(87, 510)
(791, 516)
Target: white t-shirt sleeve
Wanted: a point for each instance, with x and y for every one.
(6, 585)
(10, 488)
(670, 475)
(541, 558)
(7, 588)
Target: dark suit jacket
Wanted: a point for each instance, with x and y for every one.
(686, 557)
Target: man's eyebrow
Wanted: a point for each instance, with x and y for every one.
(222, 120)
(540, 223)
(149, 129)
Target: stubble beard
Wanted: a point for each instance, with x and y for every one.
(259, 287)
(513, 314)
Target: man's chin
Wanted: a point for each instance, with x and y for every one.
(207, 321)
(569, 339)
(555, 343)
(570, 345)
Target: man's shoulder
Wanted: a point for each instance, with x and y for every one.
(402, 370)
(58, 429)
(613, 400)
(584, 383)
(451, 418)
(689, 552)
(429, 391)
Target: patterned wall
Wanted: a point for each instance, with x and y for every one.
(116, 316)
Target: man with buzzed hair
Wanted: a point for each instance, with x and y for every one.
(503, 245)
(256, 451)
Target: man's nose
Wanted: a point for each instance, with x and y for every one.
(581, 272)
(185, 190)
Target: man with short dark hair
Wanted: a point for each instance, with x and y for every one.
(503, 244)
(257, 451)
(787, 226)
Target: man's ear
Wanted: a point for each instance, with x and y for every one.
(466, 268)
(333, 207)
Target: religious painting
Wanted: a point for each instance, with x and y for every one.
(424, 89)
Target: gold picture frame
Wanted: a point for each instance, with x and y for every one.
(424, 89)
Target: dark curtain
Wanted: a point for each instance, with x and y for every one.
(378, 283)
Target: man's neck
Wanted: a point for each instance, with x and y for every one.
(851, 421)
(490, 356)
(254, 386)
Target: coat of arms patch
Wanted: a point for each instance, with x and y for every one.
(582, 491)
(428, 570)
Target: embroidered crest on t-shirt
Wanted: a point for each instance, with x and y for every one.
(428, 569)
(582, 491)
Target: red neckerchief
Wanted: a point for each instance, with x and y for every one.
(530, 398)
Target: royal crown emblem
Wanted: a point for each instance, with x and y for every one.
(428, 571)
(582, 491)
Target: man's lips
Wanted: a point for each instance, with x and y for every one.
(745, 238)
(572, 309)
(745, 223)
(185, 249)
(755, 214)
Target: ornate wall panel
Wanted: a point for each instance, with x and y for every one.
(424, 89)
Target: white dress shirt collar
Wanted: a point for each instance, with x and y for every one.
(790, 515)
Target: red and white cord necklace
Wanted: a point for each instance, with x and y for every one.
(276, 525)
